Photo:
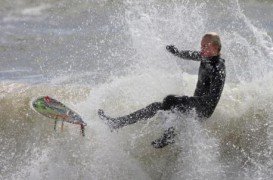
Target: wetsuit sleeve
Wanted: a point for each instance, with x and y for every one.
(190, 55)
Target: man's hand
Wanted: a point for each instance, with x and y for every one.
(172, 49)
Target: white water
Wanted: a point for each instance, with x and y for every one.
(235, 143)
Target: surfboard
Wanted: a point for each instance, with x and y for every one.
(56, 110)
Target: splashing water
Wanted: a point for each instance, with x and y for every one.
(111, 55)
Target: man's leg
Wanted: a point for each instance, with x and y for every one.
(132, 118)
(181, 103)
(165, 139)
(170, 102)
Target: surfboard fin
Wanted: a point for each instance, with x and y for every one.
(55, 125)
(82, 130)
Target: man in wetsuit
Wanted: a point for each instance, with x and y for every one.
(211, 79)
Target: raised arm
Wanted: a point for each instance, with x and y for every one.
(190, 55)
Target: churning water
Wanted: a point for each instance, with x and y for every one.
(110, 54)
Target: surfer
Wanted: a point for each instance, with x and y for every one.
(211, 79)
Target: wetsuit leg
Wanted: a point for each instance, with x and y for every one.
(182, 104)
(132, 118)
(169, 103)
(165, 139)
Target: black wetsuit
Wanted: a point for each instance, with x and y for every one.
(211, 80)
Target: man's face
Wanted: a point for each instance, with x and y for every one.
(208, 49)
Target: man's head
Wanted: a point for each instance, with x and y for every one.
(210, 45)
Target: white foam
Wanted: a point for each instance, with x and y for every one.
(35, 11)
(240, 119)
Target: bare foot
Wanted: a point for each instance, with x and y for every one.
(111, 122)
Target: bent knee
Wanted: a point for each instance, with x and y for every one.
(169, 98)
(173, 101)
(169, 102)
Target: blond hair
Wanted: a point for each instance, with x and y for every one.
(215, 39)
